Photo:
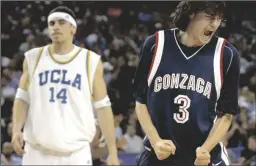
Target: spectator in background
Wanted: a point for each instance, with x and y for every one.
(118, 117)
(134, 142)
(248, 155)
(28, 44)
(132, 119)
(8, 91)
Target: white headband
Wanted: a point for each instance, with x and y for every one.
(62, 15)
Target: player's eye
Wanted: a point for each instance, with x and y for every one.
(210, 17)
(52, 23)
(62, 22)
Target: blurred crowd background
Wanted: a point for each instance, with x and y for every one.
(116, 30)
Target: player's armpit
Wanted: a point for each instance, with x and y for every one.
(218, 131)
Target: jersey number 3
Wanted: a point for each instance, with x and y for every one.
(61, 95)
(183, 114)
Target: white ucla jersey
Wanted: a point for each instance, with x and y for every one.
(60, 115)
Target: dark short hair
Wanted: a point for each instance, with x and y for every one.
(63, 9)
(180, 16)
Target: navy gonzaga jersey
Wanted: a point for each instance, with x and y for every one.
(185, 93)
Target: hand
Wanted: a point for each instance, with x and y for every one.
(164, 148)
(18, 142)
(113, 160)
(202, 157)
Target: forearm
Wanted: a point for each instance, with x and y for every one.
(146, 123)
(229, 134)
(20, 111)
(218, 131)
(106, 121)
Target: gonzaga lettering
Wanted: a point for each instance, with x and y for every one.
(183, 81)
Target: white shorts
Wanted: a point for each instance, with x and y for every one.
(33, 156)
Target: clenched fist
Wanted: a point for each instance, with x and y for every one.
(18, 142)
(113, 160)
(164, 148)
(203, 157)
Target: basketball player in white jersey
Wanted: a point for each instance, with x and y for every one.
(60, 87)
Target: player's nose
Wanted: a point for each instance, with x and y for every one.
(56, 26)
(215, 23)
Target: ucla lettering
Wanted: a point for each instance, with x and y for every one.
(64, 81)
(183, 81)
(43, 77)
(55, 76)
(77, 82)
(59, 77)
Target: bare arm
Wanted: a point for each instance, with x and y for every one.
(218, 131)
(105, 115)
(230, 133)
(20, 107)
(146, 123)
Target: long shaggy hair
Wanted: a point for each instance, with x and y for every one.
(180, 16)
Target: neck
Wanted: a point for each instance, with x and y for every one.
(62, 48)
(187, 39)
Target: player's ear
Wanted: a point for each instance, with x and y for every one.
(73, 30)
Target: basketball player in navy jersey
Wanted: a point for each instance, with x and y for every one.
(186, 89)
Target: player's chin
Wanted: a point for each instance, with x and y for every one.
(56, 40)
(205, 39)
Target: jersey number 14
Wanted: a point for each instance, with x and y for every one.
(61, 95)
(183, 114)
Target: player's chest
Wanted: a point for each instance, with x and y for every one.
(178, 72)
(200, 66)
(53, 73)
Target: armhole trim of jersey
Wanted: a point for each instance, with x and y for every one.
(37, 61)
(218, 65)
(88, 70)
(157, 56)
(221, 62)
